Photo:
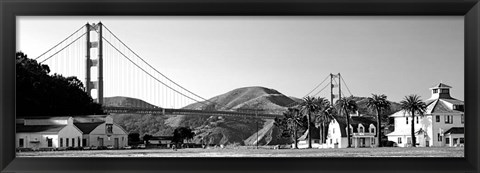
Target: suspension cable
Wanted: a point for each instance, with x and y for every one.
(346, 86)
(222, 106)
(64, 47)
(147, 72)
(339, 88)
(316, 86)
(60, 42)
(321, 89)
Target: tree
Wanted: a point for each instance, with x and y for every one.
(133, 137)
(309, 107)
(41, 94)
(182, 133)
(325, 116)
(347, 105)
(379, 104)
(147, 138)
(414, 105)
(291, 123)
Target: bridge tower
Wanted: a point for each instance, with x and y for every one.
(334, 84)
(98, 62)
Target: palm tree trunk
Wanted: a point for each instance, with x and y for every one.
(309, 132)
(379, 142)
(295, 136)
(413, 130)
(348, 128)
(324, 138)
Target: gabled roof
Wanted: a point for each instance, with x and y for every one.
(46, 118)
(39, 128)
(86, 128)
(441, 85)
(354, 122)
(453, 101)
(455, 130)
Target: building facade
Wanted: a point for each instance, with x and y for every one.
(362, 132)
(442, 124)
(65, 132)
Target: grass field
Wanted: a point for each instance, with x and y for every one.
(261, 152)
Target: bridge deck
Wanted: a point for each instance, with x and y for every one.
(163, 111)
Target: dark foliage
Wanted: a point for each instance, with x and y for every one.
(41, 94)
(182, 133)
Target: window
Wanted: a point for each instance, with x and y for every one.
(435, 91)
(61, 142)
(448, 119)
(372, 130)
(437, 118)
(447, 140)
(49, 142)
(462, 140)
(333, 131)
(406, 118)
(439, 137)
(458, 107)
(66, 142)
(399, 140)
(20, 142)
(109, 128)
(416, 119)
(360, 129)
(73, 142)
(330, 141)
(409, 140)
(455, 141)
(463, 119)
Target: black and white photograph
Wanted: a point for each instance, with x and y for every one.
(240, 86)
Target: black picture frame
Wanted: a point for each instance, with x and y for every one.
(9, 9)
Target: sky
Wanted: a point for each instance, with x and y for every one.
(211, 55)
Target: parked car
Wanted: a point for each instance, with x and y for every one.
(127, 147)
(87, 148)
(110, 147)
(141, 146)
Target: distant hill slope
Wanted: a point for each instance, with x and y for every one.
(120, 101)
(246, 98)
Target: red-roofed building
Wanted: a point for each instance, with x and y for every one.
(439, 127)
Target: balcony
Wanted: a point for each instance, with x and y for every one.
(363, 134)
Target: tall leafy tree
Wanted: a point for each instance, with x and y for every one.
(347, 106)
(309, 107)
(182, 133)
(320, 117)
(291, 123)
(379, 104)
(412, 104)
(41, 94)
(325, 116)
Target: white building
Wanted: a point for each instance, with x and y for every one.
(100, 130)
(64, 132)
(362, 132)
(47, 133)
(442, 125)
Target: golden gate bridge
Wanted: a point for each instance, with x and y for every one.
(94, 53)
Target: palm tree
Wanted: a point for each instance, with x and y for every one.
(378, 103)
(309, 107)
(293, 119)
(326, 115)
(348, 105)
(414, 105)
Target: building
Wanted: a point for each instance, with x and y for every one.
(47, 133)
(64, 132)
(442, 124)
(362, 132)
(100, 130)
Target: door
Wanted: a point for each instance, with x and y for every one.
(362, 142)
(84, 142)
(20, 143)
(100, 141)
(116, 143)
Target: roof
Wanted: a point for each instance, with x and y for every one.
(39, 128)
(355, 121)
(46, 118)
(86, 128)
(161, 138)
(455, 130)
(441, 85)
